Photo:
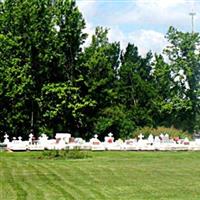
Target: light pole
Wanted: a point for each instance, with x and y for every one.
(192, 14)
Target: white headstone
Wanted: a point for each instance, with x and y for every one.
(79, 141)
(119, 141)
(141, 136)
(95, 140)
(95, 136)
(30, 138)
(20, 139)
(63, 136)
(14, 140)
(150, 139)
(109, 139)
(6, 140)
(186, 141)
(167, 136)
(157, 139)
(162, 136)
(110, 134)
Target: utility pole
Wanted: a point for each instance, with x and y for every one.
(192, 14)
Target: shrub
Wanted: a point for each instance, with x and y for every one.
(64, 154)
(3, 147)
(117, 120)
(172, 132)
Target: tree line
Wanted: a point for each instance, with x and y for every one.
(49, 83)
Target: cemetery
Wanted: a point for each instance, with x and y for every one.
(66, 141)
(99, 100)
(151, 167)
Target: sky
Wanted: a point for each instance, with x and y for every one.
(142, 22)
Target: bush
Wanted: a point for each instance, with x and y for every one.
(172, 132)
(65, 154)
(2, 145)
(117, 120)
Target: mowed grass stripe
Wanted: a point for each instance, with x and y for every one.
(53, 182)
(30, 173)
(113, 181)
(9, 172)
(79, 178)
(48, 187)
(146, 175)
(72, 179)
(107, 175)
(90, 181)
(6, 190)
(37, 192)
(25, 175)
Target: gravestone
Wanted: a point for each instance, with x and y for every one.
(150, 139)
(141, 141)
(157, 140)
(95, 140)
(186, 141)
(109, 139)
(96, 145)
(167, 137)
(119, 141)
(14, 140)
(196, 135)
(30, 138)
(141, 136)
(19, 139)
(43, 139)
(63, 136)
(79, 141)
(6, 140)
(162, 137)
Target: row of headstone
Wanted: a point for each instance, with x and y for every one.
(64, 140)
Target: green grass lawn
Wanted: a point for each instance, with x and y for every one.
(106, 175)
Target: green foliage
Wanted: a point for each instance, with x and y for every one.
(135, 88)
(15, 87)
(98, 67)
(116, 120)
(39, 45)
(61, 103)
(64, 154)
(172, 132)
(184, 62)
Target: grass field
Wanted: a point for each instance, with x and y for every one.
(106, 175)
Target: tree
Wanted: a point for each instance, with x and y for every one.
(116, 119)
(184, 61)
(98, 67)
(62, 107)
(135, 88)
(48, 35)
(69, 24)
(15, 89)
